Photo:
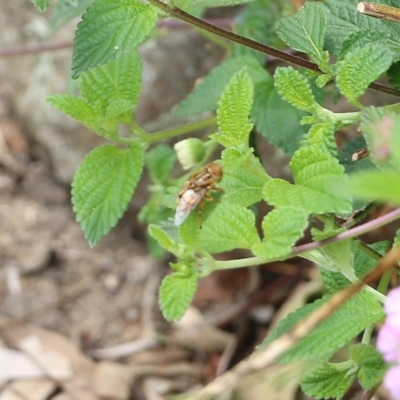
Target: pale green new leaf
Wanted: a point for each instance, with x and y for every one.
(41, 5)
(228, 227)
(361, 67)
(322, 136)
(293, 87)
(205, 96)
(317, 175)
(376, 185)
(109, 30)
(75, 107)
(120, 80)
(305, 31)
(282, 228)
(102, 187)
(372, 367)
(233, 111)
(163, 238)
(176, 293)
(243, 178)
(329, 380)
(217, 3)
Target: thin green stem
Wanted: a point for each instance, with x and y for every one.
(180, 130)
(367, 334)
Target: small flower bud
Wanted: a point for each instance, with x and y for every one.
(190, 152)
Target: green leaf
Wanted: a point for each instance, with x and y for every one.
(282, 228)
(65, 11)
(75, 107)
(332, 334)
(233, 111)
(305, 31)
(322, 136)
(361, 67)
(243, 178)
(109, 30)
(336, 257)
(163, 238)
(117, 80)
(217, 3)
(176, 293)
(360, 38)
(41, 5)
(376, 185)
(343, 325)
(317, 175)
(293, 87)
(393, 74)
(343, 20)
(102, 187)
(160, 162)
(361, 264)
(257, 21)
(329, 380)
(228, 227)
(372, 367)
(275, 119)
(205, 96)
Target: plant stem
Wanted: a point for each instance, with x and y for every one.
(351, 233)
(234, 37)
(180, 130)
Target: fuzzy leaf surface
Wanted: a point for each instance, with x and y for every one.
(205, 96)
(329, 380)
(293, 87)
(162, 237)
(234, 109)
(229, 226)
(109, 30)
(305, 30)
(282, 228)
(118, 80)
(316, 174)
(332, 334)
(77, 108)
(102, 187)
(343, 325)
(372, 367)
(243, 178)
(343, 20)
(361, 67)
(176, 293)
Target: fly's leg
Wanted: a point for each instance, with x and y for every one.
(201, 206)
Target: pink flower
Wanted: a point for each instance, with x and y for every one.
(388, 343)
(392, 381)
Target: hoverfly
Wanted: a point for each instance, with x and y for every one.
(196, 190)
